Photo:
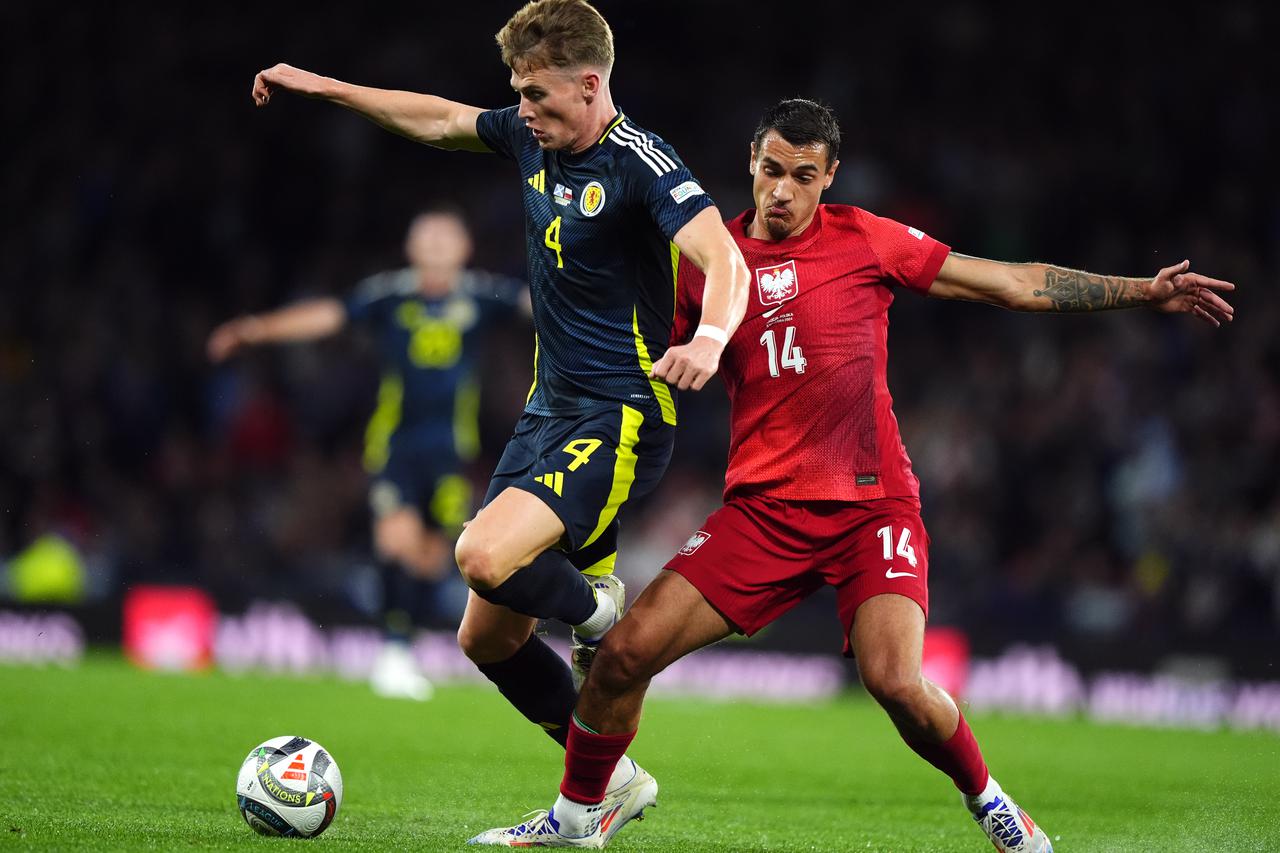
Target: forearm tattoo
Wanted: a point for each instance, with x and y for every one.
(1072, 290)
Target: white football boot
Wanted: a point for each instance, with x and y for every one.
(539, 829)
(601, 822)
(395, 675)
(584, 649)
(1010, 829)
(628, 800)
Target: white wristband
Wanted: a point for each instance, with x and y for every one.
(716, 333)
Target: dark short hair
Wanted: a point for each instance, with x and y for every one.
(442, 208)
(801, 122)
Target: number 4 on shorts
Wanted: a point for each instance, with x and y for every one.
(581, 449)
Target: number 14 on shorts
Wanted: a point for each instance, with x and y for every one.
(904, 550)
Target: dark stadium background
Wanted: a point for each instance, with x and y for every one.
(1107, 483)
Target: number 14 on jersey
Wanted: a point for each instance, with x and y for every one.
(792, 357)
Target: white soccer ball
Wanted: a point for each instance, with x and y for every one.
(289, 786)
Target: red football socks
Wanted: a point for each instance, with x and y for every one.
(589, 760)
(958, 757)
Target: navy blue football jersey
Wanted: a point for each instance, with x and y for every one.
(428, 348)
(601, 264)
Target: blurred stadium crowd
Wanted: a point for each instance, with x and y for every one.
(1112, 479)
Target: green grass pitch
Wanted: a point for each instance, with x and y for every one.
(105, 757)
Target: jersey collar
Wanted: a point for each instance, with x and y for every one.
(793, 244)
(617, 119)
(588, 152)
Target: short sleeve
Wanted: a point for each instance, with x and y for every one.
(370, 298)
(907, 255)
(658, 179)
(500, 130)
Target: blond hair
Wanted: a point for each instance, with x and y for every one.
(556, 34)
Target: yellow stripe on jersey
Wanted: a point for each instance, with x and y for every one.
(535, 369)
(675, 276)
(617, 121)
(539, 181)
(624, 471)
(660, 389)
(385, 419)
(601, 567)
(466, 420)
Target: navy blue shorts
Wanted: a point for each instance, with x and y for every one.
(419, 475)
(586, 468)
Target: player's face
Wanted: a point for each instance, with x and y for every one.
(787, 183)
(438, 242)
(553, 104)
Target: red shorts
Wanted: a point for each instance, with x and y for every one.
(757, 557)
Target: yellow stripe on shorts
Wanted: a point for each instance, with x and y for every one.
(385, 419)
(624, 471)
(601, 567)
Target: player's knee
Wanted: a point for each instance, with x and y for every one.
(622, 663)
(479, 564)
(895, 689)
(393, 538)
(483, 647)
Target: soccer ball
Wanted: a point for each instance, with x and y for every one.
(289, 786)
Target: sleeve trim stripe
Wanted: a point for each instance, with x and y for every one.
(657, 170)
(630, 132)
(644, 148)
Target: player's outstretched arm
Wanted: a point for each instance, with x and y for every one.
(422, 118)
(706, 242)
(1042, 287)
(302, 321)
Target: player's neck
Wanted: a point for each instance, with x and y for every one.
(600, 114)
(437, 283)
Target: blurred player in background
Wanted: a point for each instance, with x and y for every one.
(819, 489)
(428, 320)
(609, 210)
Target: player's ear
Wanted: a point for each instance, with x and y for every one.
(590, 83)
(831, 175)
(751, 166)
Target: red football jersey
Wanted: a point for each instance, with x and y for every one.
(811, 416)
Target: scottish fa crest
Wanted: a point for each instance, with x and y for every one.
(592, 201)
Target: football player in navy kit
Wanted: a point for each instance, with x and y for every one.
(609, 210)
(428, 320)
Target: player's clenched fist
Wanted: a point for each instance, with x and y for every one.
(288, 78)
(690, 365)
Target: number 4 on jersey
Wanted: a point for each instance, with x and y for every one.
(792, 357)
(552, 240)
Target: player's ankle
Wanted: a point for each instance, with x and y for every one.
(605, 615)
(977, 802)
(623, 772)
(575, 819)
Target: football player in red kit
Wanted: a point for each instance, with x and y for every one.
(819, 488)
